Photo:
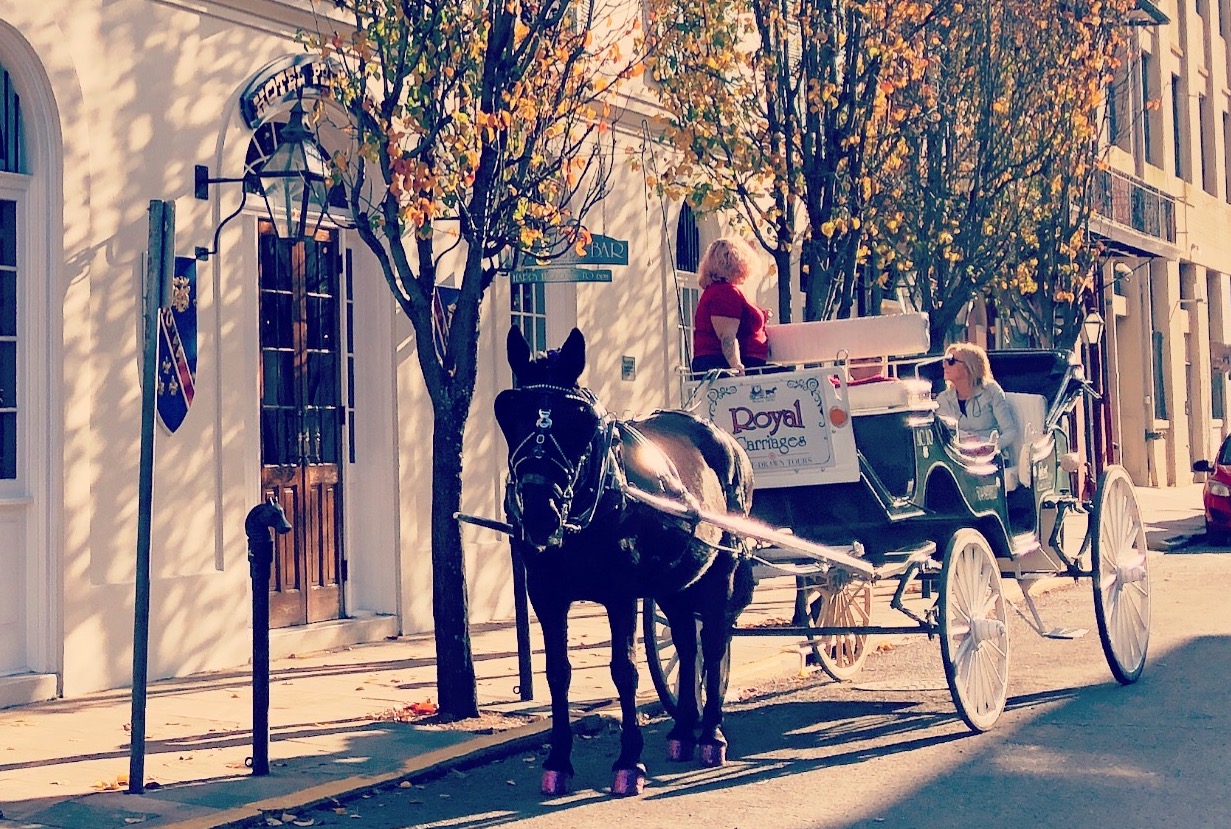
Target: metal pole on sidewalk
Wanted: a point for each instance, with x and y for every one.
(521, 613)
(262, 521)
(159, 267)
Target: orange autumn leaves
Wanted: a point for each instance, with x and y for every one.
(943, 146)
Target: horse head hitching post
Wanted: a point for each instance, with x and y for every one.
(263, 520)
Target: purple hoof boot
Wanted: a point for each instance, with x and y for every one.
(627, 782)
(713, 755)
(556, 783)
(679, 751)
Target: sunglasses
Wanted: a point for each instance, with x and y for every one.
(950, 360)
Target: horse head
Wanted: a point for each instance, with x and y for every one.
(552, 427)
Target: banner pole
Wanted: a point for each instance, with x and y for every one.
(161, 251)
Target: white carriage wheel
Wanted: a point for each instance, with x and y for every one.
(836, 601)
(664, 661)
(974, 631)
(1119, 564)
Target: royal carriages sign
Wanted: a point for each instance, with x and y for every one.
(795, 426)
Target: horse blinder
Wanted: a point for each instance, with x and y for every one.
(550, 433)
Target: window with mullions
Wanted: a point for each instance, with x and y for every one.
(350, 353)
(687, 258)
(529, 313)
(12, 160)
(9, 332)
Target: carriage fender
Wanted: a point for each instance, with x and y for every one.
(942, 477)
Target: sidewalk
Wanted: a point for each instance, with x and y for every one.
(334, 717)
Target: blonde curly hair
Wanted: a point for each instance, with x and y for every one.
(975, 359)
(729, 259)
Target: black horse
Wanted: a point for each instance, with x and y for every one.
(582, 538)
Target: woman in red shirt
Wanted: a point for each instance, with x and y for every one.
(729, 331)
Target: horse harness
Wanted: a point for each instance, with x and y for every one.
(594, 484)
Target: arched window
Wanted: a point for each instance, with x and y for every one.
(12, 160)
(12, 134)
(264, 141)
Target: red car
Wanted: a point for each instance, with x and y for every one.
(1217, 494)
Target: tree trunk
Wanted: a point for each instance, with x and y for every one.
(782, 262)
(455, 677)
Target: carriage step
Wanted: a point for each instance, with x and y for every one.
(915, 552)
(1065, 633)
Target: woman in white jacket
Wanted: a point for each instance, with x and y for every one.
(975, 400)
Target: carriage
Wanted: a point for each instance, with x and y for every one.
(858, 483)
(876, 488)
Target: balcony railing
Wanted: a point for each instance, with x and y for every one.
(1134, 204)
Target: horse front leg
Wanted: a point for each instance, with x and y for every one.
(715, 642)
(558, 767)
(628, 772)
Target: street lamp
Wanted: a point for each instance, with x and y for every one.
(293, 180)
(1092, 328)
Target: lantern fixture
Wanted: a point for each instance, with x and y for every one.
(1092, 328)
(294, 182)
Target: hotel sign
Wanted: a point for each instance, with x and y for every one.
(283, 80)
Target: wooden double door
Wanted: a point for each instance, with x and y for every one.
(302, 415)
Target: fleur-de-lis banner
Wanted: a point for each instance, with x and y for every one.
(177, 346)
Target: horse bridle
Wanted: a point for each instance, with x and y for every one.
(541, 446)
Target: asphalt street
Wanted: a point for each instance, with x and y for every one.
(1073, 748)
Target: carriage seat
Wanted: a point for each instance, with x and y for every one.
(876, 393)
(862, 343)
(827, 341)
(1031, 413)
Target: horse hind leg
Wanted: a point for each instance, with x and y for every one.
(715, 640)
(628, 772)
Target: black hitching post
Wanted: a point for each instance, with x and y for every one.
(262, 521)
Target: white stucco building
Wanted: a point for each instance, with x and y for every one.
(306, 379)
(306, 376)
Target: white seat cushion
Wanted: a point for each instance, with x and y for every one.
(1031, 412)
(883, 394)
(892, 335)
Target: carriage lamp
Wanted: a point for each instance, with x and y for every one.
(1092, 328)
(293, 180)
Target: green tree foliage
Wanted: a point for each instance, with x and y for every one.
(478, 133)
(777, 109)
(947, 148)
(993, 197)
